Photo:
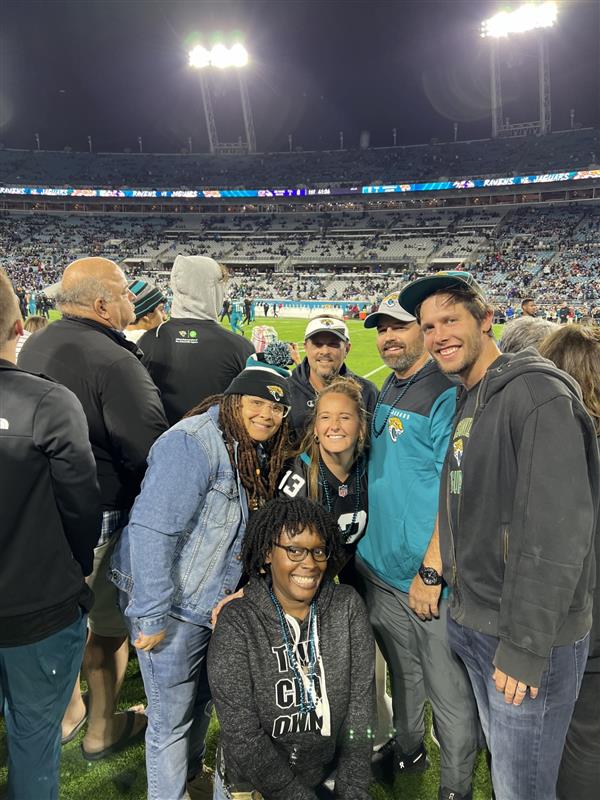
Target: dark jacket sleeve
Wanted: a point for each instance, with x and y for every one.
(147, 344)
(353, 776)
(249, 750)
(133, 412)
(549, 538)
(369, 394)
(60, 431)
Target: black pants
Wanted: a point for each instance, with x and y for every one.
(579, 776)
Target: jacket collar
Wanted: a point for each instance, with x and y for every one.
(213, 413)
(116, 336)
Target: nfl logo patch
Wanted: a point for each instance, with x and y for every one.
(343, 490)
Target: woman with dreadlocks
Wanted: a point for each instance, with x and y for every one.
(181, 554)
(291, 666)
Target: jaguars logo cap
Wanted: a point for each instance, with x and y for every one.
(389, 307)
(335, 325)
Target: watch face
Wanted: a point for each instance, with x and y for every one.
(429, 576)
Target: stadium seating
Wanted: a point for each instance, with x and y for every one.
(576, 149)
(549, 251)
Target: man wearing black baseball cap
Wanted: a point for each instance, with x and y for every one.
(399, 559)
(517, 513)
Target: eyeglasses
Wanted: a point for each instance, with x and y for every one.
(299, 553)
(277, 409)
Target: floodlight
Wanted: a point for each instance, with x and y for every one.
(527, 17)
(199, 57)
(220, 56)
(239, 55)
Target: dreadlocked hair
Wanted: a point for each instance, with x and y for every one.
(260, 487)
(292, 516)
(310, 445)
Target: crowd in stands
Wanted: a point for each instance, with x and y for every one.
(549, 251)
(567, 150)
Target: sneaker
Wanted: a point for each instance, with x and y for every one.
(200, 787)
(448, 794)
(388, 761)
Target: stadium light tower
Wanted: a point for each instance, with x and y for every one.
(528, 17)
(221, 57)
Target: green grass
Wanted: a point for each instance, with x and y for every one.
(123, 775)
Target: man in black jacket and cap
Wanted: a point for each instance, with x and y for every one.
(51, 520)
(87, 352)
(327, 343)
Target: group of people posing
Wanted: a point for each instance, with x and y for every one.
(270, 541)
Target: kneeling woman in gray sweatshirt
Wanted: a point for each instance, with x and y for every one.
(291, 666)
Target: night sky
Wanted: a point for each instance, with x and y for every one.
(117, 69)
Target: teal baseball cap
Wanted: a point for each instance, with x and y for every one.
(418, 290)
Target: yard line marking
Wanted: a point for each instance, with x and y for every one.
(373, 371)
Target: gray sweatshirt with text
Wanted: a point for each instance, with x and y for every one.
(268, 744)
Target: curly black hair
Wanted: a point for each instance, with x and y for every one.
(266, 524)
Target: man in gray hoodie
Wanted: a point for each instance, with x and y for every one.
(517, 514)
(192, 356)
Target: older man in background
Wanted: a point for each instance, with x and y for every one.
(87, 352)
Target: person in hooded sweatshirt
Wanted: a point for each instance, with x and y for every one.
(179, 556)
(192, 356)
(518, 513)
(291, 666)
(576, 350)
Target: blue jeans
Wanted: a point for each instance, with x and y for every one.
(36, 682)
(179, 707)
(526, 741)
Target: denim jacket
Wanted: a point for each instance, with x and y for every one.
(180, 552)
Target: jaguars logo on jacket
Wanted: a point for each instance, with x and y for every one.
(395, 428)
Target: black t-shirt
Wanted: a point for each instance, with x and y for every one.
(190, 360)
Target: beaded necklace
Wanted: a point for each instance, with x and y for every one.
(377, 432)
(307, 703)
(328, 501)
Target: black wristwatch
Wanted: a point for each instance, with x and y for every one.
(430, 576)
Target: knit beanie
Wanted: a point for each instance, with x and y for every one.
(146, 297)
(262, 379)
